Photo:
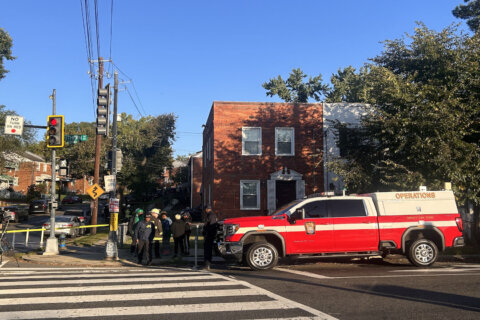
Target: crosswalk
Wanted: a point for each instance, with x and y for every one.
(140, 293)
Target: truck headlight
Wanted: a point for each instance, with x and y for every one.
(231, 229)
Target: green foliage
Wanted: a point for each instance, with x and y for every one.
(294, 89)
(423, 126)
(146, 147)
(469, 12)
(5, 50)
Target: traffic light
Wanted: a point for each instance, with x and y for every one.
(55, 131)
(103, 101)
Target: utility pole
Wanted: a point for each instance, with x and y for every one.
(111, 249)
(98, 146)
(51, 247)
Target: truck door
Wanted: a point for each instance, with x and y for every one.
(353, 229)
(314, 234)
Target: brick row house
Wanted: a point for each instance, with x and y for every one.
(259, 156)
(25, 169)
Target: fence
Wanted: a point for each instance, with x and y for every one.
(14, 241)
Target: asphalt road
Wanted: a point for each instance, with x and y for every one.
(373, 289)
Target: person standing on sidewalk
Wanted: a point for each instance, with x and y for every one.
(158, 232)
(132, 225)
(166, 223)
(178, 232)
(144, 234)
(209, 233)
(188, 221)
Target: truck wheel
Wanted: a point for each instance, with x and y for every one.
(261, 256)
(422, 253)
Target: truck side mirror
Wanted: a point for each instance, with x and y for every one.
(299, 214)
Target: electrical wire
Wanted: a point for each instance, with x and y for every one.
(88, 48)
(111, 35)
(133, 86)
(136, 107)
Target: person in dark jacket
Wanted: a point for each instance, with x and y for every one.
(166, 223)
(209, 232)
(178, 231)
(144, 234)
(187, 218)
(132, 225)
(158, 232)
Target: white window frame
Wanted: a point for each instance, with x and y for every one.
(44, 167)
(260, 142)
(39, 168)
(292, 147)
(241, 194)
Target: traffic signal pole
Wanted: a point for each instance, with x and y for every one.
(51, 247)
(98, 146)
(111, 248)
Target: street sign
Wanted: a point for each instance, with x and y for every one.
(114, 205)
(75, 138)
(14, 125)
(95, 191)
(110, 183)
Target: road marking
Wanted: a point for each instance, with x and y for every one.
(38, 306)
(3, 263)
(127, 297)
(319, 314)
(31, 275)
(440, 273)
(119, 287)
(303, 273)
(142, 310)
(112, 280)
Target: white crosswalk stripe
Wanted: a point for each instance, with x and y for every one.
(136, 293)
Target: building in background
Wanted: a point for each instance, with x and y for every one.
(260, 156)
(195, 180)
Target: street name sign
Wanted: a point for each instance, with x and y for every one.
(14, 125)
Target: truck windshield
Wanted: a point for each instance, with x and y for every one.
(285, 208)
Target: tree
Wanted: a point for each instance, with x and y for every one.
(294, 89)
(5, 50)
(146, 147)
(469, 12)
(424, 124)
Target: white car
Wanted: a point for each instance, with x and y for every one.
(66, 222)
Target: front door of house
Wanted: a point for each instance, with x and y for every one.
(285, 192)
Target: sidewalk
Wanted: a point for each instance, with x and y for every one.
(94, 256)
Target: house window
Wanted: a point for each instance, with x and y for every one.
(38, 166)
(284, 141)
(44, 167)
(251, 141)
(250, 195)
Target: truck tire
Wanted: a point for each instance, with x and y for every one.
(422, 253)
(261, 256)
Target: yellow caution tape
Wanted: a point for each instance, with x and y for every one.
(43, 229)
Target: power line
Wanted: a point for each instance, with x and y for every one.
(136, 107)
(133, 86)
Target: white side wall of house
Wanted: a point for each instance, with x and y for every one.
(347, 113)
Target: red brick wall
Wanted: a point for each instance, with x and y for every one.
(26, 173)
(229, 166)
(196, 186)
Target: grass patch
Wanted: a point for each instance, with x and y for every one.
(89, 239)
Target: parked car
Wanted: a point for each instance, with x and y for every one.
(16, 213)
(64, 222)
(84, 216)
(38, 206)
(71, 200)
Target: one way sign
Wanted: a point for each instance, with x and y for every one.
(14, 125)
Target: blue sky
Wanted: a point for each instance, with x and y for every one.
(183, 55)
